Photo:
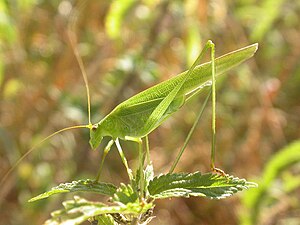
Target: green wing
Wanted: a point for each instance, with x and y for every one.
(199, 76)
(131, 115)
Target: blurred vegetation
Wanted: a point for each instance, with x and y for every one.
(126, 47)
(276, 190)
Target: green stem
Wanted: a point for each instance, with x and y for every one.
(189, 135)
(141, 167)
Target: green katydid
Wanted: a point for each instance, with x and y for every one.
(138, 116)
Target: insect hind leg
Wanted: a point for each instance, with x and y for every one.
(213, 123)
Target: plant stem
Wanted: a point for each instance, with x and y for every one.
(141, 168)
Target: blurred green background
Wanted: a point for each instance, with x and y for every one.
(127, 46)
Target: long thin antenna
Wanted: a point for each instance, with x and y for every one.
(3, 179)
(84, 75)
(72, 39)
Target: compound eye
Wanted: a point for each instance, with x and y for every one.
(94, 127)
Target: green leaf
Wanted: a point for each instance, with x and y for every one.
(79, 210)
(79, 186)
(125, 194)
(194, 184)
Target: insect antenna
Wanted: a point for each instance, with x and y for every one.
(72, 39)
(73, 17)
(35, 147)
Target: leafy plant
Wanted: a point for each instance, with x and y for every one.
(126, 207)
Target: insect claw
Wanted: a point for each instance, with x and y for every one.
(219, 171)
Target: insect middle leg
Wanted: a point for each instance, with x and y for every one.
(141, 162)
(124, 160)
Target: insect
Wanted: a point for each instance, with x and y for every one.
(139, 115)
(145, 111)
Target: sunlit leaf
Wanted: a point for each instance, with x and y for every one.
(194, 184)
(79, 186)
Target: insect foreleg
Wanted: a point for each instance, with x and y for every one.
(105, 151)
